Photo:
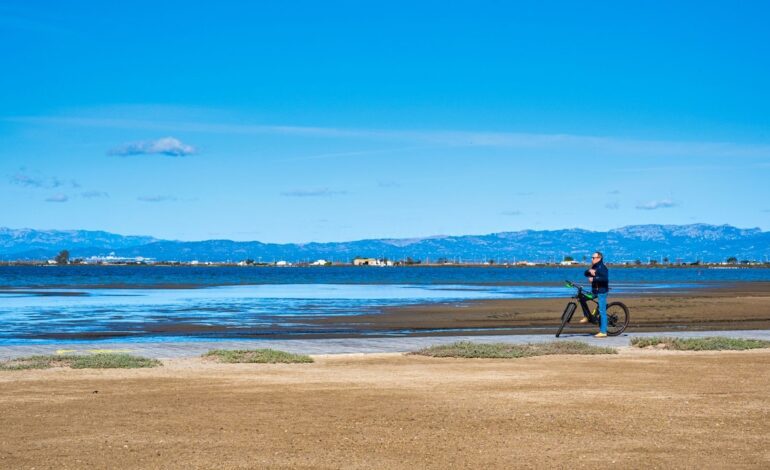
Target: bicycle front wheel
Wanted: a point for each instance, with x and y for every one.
(617, 318)
(566, 316)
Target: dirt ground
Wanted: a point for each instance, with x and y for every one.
(648, 408)
(738, 307)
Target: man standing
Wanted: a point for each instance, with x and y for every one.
(599, 276)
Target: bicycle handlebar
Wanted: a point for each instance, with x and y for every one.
(569, 283)
(580, 291)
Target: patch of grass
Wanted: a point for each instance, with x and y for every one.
(93, 361)
(467, 349)
(25, 363)
(711, 343)
(112, 361)
(261, 356)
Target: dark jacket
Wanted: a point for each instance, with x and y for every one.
(601, 282)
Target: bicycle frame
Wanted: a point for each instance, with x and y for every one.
(583, 299)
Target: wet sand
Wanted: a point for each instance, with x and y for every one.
(741, 306)
(641, 408)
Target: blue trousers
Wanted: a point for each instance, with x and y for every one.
(602, 299)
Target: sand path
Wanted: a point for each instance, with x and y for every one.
(637, 409)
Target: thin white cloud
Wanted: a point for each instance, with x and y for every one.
(510, 213)
(612, 205)
(449, 138)
(57, 198)
(29, 21)
(94, 194)
(358, 153)
(156, 198)
(28, 181)
(653, 205)
(388, 184)
(318, 192)
(168, 146)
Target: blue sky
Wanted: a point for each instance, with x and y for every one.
(320, 121)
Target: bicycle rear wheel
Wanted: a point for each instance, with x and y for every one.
(566, 316)
(617, 318)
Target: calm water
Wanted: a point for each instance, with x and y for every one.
(165, 276)
(117, 303)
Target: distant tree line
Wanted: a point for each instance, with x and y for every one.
(63, 257)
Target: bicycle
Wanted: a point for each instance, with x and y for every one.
(617, 312)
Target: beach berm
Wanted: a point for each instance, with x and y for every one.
(470, 350)
(80, 361)
(709, 343)
(260, 356)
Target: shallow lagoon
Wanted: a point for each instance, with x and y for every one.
(42, 315)
(154, 303)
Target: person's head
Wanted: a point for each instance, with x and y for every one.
(597, 257)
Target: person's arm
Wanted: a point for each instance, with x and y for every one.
(602, 274)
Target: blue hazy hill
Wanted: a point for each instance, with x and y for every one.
(676, 242)
(36, 243)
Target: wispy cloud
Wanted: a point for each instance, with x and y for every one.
(614, 192)
(30, 21)
(57, 198)
(29, 181)
(94, 194)
(168, 146)
(318, 192)
(451, 138)
(510, 213)
(358, 152)
(652, 205)
(157, 198)
(388, 184)
(612, 206)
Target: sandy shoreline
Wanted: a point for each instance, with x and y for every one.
(738, 306)
(638, 408)
(741, 306)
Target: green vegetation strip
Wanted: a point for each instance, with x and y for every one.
(467, 349)
(93, 361)
(711, 343)
(261, 356)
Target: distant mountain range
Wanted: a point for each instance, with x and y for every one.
(676, 242)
